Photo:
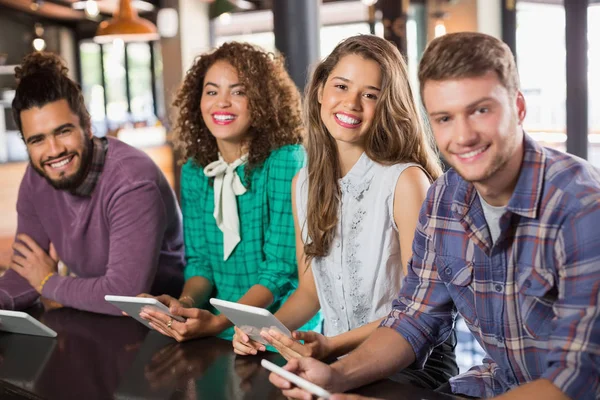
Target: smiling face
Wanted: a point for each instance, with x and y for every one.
(59, 149)
(476, 123)
(349, 97)
(224, 104)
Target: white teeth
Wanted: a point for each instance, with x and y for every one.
(472, 153)
(224, 117)
(347, 120)
(61, 163)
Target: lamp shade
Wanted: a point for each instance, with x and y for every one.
(127, 26)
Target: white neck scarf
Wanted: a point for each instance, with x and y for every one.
(227, 185)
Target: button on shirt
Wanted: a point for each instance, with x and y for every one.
(531, 298)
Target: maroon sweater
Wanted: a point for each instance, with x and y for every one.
(125, 239)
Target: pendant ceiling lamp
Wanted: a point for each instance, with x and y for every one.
(127, 26)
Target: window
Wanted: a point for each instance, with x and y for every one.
(542, 70)
(121, 84)
(92, 86)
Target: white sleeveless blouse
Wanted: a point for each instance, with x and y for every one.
(362, 274)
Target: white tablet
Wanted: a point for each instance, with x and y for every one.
(134, 305)
(296, 380)
(251, 320)
(21, 322)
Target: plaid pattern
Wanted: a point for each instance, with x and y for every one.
(531, 300)
(99, 149)
(266, 254)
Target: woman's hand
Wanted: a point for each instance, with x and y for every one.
(243, 345)
(198, 323)
(315, 345)
(165, 299)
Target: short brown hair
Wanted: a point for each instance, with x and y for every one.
(468, 55)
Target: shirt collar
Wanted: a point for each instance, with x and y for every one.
(526, 197)
(358, 179)
(99, 149)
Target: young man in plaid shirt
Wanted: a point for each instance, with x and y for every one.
(508, 238)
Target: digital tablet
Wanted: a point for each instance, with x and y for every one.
(296, 380)
(21, 322)
(251, 320)
(134, 305)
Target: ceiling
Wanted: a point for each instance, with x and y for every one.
(62, 10)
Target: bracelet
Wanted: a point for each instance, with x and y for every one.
(187, 297)
(46, 280)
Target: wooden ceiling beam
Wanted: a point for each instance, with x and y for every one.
(47, 9)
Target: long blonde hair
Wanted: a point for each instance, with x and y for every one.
(397, 135)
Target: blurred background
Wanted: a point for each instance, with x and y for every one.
(130, 56)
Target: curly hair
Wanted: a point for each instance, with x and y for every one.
(273, 102)
(41, 79)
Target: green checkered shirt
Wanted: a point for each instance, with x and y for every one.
(266, 254)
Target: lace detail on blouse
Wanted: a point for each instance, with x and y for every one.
(359, 299)
(362, 273)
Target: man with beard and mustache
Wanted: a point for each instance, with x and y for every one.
(100, 206)
(508, 237)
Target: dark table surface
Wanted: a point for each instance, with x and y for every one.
(103, 357)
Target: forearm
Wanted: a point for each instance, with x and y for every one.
(298, 309)
(382, 354)
(348, 341)
(196, 292)
(541, 389)
(257, 296)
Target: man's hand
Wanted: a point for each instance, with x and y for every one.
(32, 262)
(313, 371)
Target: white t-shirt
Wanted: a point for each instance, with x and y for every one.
(361, 276)
(492, 216)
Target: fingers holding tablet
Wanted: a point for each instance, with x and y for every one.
(252, 320)
(133, 306)
(286, 346)
(243, 345)
(285, 378)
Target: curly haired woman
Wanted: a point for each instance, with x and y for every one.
(239, 128)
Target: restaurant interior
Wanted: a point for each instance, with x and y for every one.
(130, 56)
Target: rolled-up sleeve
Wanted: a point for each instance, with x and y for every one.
(423, 313)
(574, 357)
(278, 271)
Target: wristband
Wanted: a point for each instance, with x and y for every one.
(46, 280)
(187, 297)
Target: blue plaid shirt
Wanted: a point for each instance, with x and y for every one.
(531, 298)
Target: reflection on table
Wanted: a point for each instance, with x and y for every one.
(104, 357)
